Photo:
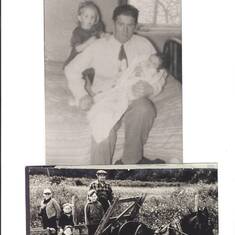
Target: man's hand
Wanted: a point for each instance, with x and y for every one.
(142, 89)
(86, 102)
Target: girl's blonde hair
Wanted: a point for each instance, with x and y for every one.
(89, 4)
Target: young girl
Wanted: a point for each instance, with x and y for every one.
(66, 218)
(90, 27)
(93, 212)
(49, 211)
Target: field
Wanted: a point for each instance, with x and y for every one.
(164, 201)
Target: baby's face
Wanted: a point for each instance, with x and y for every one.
(155, 60)
(68, 231)
(87, 18)
(148, 67)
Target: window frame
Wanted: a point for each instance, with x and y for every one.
(145, 28)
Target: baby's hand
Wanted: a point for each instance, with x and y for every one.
(86, 102)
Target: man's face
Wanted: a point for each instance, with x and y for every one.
(101, 178)
(124, 28)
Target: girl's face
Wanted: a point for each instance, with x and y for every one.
(93, 197)
(47, 195)
(87, 18)
(67, 209)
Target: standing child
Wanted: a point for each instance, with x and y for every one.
(66, 218)
(93, 212)
(90, 27)
(49, 211)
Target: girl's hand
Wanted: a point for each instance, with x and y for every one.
(42, 205)
(105, 35)
(86, 102)
(91, 40)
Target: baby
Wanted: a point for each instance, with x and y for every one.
(109, 106)
(90, 28)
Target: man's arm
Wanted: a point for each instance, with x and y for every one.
(110, 194)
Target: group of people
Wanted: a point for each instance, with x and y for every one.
(97, 70)
(99, 198)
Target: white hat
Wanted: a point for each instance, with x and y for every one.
(46, 190)
(101, 172)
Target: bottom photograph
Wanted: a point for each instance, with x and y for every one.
(132, 200)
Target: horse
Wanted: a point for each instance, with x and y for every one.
(194, 223)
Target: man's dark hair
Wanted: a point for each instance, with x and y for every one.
(127, 10)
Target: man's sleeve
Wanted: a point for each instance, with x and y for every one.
(73, 72)
(92, 186)
(110, 194)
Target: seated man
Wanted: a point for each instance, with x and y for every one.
(110, 57)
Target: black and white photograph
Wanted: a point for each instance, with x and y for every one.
(166, 200)
(113, 82)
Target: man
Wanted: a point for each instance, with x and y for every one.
(103, 190)
(109, 57)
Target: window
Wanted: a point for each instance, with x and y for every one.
(158, 12)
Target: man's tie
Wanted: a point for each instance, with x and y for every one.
(122, 58)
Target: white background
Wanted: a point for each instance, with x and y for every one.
(209, 95)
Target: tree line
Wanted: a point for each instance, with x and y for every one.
(187, 175)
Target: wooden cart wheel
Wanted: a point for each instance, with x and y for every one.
(128, 228)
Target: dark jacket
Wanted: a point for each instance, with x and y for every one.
(93, 213)
(65, 220)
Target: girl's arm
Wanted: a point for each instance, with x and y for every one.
(82, 46)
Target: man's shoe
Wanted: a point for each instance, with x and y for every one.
(145, 160)
(119, 162)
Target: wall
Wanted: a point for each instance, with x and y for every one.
(158, 38)
(60, 20)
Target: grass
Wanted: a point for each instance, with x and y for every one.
(164, 202)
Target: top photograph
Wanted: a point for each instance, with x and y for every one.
(113, 82)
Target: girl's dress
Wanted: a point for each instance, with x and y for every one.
(80, 36)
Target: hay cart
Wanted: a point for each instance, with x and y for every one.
(125, 221)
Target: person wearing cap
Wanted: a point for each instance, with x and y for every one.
(110, 57)
(66, 218)
(93, 212)
(49, 211)
(103, 190)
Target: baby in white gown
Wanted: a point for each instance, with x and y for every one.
(109, 106)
